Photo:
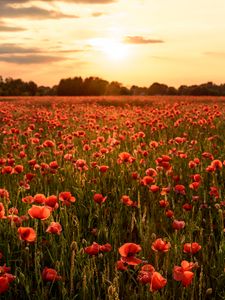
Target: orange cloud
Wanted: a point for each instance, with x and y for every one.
(141, 40)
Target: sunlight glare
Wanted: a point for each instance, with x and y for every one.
(112, 48)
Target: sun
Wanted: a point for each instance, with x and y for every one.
(114, 49)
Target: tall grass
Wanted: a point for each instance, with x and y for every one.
(98, 132)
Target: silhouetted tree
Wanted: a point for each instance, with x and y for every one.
(158, 89)
(95, 86)
(32, 88)
(136, 90)
(113, 88)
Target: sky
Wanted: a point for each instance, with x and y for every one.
(131, 41)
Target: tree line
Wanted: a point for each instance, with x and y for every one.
(95, 86)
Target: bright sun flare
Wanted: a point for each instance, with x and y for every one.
(113, 49)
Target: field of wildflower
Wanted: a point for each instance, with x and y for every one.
(104, 198)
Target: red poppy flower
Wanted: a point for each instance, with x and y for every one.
(125, 157)
(106, 248)
(191, 248)
(217, 164)
(86, 147)
(30, 176)
(81, 165)
(120, 266)
(14, 219)
(4, 194)
(7, 170)
(128, 251)
(18, 169)
(98, 198)
(197, 177)
(2, 211)
(154, 188)
(4, 284)
(180, 189)
(49, 274)
(5, 278)
(54, 228)
(13, 210)
(157, 282)
(134, 175)
(39, 212)
(178, 224)
(164, 203)
(207, 155)
(153, 144)
(151, 172)
(93, 249)
(160, 245)
(52, 202)
(39, 198)
(192, 164)
(103, 169)
(53, 165)
(194, 185)
(27, 234)
(169, 213)
(165, 191)
(127, 201)
(145, 274)
(146, 180)
(28, 199)
(22, 154)
(66, 198)
(49, 144)
(214, 192)
(187, 206)
(184, 273)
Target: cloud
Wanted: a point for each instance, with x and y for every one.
(98, 14)
(10, 48)
(215, 54)
(6, 28)
(141, 40)
(8, 11)
(11, 53)
(69, 51)
(30, 59)
(90, 1)
(69, 1)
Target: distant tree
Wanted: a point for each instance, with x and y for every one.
(158, 89)
(70, 87)
(53, 91)
(136, 90)
(172, 91)
(183, 90)
(32, 88)
(95, 86)
(124, 91)
(113, 88)
(43, 91)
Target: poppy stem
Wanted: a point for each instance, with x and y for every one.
(156, 260)
(73, 247)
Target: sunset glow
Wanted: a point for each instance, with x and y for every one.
(172, 42)
(113, 49)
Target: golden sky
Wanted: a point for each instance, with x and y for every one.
(131, 41)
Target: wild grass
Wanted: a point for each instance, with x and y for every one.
(97, 132)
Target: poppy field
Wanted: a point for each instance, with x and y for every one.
(112, 199)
